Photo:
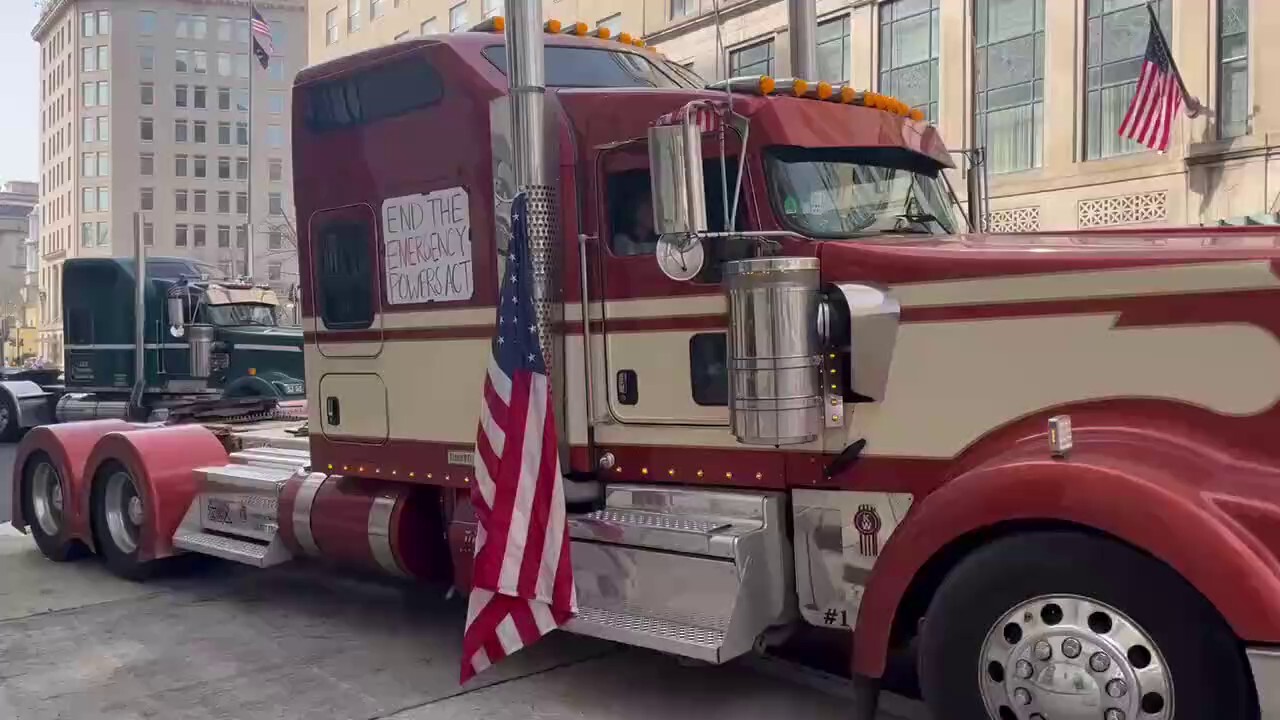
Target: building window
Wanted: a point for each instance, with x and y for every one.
(86, 234)
(275, 102)
(275, 70)
(224, 133)
(148, 233)
(428, 27)
(147, 198)
(200, 201)
(199, 27)
(104, 57)
(182, 61)
(458, 17)
(613, 24)
(242, 65)
(224, 202)
(200, 131)
(224, 236)
(180, 96)
(1009, 107)
(242, 31)
(146, 22)
(376, 10)
(88, 200)
(1114, 48)
(275, 170)
(275, 136)
(147, 164)
(147, 57)
(224, 168)
(180, 200)
(242, 203)
(147, 93)
(88, 165)
(199, 166)
(86, 129)
(104, 199)
(273, 271)
(242, 100)
(1233, 68)
(104, 234)
(104, 93)
(275, 240)
(88, 59)
(224, 98)
(200, 62)
(752, 60)
(104, 22)
(275, 204)
(104, 164)
(224, 29)
(146, 129)
(489, 8)
(331, 27)
(182, 26)
(180, 235)
(104, 128)
(200, 97)
(224, 64)
(88, 24)
(242, 236)
(180, 131)
(833, 50)
(242, 134)
(353, 15)
(242, 168)
(90, 92)
(198, 235)
(682, 8)
(180, 165)
(909, 48)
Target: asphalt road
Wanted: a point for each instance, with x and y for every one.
(297, 642)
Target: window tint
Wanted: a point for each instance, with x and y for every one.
(375, 94)
(708, 371)
(344, 271)
(590, 67)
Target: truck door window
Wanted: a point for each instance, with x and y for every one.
(708, 370)
(345, 274)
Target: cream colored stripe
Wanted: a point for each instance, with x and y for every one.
(1202, 277)
(713, 304)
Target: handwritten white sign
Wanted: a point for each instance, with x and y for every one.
(426, 247)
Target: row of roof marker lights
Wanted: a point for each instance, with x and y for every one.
(754, 84)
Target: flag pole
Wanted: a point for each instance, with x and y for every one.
(248, 249)
(1190, 102)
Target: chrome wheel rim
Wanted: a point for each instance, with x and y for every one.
(46, 499)
(124, 511)
(4, 416)
(1071, 658)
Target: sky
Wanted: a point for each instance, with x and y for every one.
(19, 93)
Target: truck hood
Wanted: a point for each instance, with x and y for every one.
(923, 258)
(265, 336)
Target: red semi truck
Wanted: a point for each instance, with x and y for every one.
(791, 388)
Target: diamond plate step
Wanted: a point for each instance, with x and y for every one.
(257, 554)
(654, 633)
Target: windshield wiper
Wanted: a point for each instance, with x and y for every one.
(921, 220)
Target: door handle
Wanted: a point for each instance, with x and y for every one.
(332, 410)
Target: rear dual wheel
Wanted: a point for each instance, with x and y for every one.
(119, 516)
(1066, 626)
(45, 505)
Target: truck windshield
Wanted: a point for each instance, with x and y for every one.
(241, 314)
(586, 67)
(844, 193)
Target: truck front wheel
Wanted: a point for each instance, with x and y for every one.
(1067, 626)
(118, 520)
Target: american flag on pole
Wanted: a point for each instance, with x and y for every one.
(260, 31)
(1159, 96)
(522, 582)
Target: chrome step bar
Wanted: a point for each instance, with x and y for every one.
(691, 572)
(235, 514)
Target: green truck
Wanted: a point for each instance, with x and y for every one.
(205, 337)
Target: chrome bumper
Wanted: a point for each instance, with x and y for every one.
(1266, 678)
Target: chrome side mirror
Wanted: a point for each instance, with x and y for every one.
(675, 165)
(177, 316)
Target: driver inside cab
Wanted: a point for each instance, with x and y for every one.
(638, 237)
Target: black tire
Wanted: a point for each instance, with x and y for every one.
(49, 526)
(123, 562)
(10, 429)
(1206, 666)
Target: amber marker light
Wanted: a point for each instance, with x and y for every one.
(823, 91)
(497, 23)
(625, 38)
(603, 33)
(576, 28)
(917, 114)
(553, 26)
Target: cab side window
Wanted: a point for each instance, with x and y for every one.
(345, 273)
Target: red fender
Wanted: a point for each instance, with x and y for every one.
(161, 461)
(68, 446)
(1188, 508)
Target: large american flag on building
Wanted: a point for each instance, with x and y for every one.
(1159, 96)
(522, 582)
(260, 31)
